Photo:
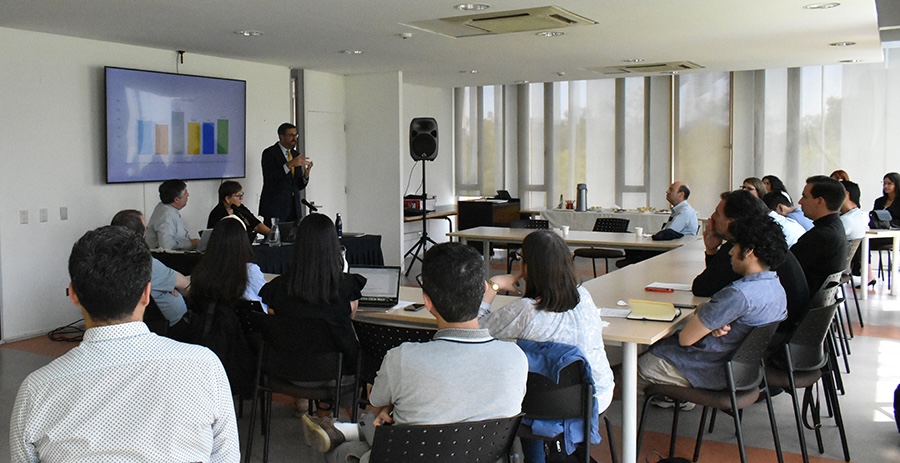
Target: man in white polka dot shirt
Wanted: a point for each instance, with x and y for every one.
(124, 394)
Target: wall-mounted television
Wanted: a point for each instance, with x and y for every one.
(161, 126)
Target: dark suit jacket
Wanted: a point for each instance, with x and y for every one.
(280, 195)
(718, 274)
(822, 250)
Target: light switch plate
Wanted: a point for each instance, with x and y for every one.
(43, 213)
(63, 213)
(23, 216)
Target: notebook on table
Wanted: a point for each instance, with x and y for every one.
(652, 310)
(382, 290)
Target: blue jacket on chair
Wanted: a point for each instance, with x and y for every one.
(548, 359)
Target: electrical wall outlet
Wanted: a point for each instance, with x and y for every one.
(63, 213)
(43, 213)
(23, 216)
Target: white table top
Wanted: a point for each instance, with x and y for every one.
(574, 238)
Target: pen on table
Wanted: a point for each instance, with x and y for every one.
(659, 290)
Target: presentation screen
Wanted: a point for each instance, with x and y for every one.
(162, 126)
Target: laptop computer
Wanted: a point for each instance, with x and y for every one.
(382, 289)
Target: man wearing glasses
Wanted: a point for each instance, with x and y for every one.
(285, 174)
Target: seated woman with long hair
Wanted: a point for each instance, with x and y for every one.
(315, 285)
(226, 273)
(554, 308)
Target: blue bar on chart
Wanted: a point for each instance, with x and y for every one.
(145, 136)
(222, 136)
(209, 138)
(178, 136)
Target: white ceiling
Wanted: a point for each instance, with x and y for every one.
(721, 35)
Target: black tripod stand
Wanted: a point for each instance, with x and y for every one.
(423, 241)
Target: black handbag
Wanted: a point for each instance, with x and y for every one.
(880, 219)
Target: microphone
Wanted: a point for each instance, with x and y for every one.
(309, 205)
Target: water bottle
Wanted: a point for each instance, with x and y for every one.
(339, 226)
(274, 238)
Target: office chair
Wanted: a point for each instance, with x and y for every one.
(608, 225)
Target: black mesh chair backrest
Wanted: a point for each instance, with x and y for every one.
(530, 223)
(827, 293)
(547, 400)
(745, 362)
(486, 441)
(376, 339)
(806, 344)
(298, 349)
(611, 225)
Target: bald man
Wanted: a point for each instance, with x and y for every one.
(684, 217)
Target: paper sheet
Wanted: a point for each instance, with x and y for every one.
(675, 286)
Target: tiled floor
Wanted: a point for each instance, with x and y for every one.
(867, 406)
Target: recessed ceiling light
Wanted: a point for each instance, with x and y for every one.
(550, 34)
(850, 61)
(521, 82)
(842, 44)
(352, 52)
(249, 33)
(470, 71)
(472, 7)
(669, 73)
(633, 60)
(821, 6)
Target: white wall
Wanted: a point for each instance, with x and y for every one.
(374, 132)
(52, 148)
(326, 145)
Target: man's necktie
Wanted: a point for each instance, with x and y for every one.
(290, 157)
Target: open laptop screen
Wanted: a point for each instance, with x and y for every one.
(382, 285)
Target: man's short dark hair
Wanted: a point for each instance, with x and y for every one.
(283, 128)
(109, 268)
(828, 189)
(228, 188)
(853, 189)
(130, 219)
(685, 190)
(453, 278)
(775, 198)
(742, 203)
(762, 235)
(170, 190)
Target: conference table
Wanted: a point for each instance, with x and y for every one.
(678, 266)
(864, 255)
(488, 235)
(362, 249)
(651, 222)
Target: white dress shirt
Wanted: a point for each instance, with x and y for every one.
(126, 395)
(791, 229)
(855, 223)
(166, 229)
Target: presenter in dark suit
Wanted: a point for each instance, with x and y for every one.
(285, 174)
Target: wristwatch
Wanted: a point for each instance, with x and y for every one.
(493, 285)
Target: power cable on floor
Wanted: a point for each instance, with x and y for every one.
(68, 333)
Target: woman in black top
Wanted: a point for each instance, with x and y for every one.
(231, 199)
(773, 183)
(316, 287)
(888, 199)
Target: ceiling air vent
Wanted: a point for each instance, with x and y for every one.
(646, 68)
(503, 22)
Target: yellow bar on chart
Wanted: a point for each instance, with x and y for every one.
(193, 138)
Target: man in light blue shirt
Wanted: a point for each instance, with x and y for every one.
(166, 228)
(684, 217)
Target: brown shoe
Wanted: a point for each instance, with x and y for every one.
(320, 433)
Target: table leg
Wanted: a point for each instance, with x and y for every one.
(486, 252)
(895, 251)
(864, 267)
(629, 402)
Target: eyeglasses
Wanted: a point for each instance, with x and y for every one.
(239, 195)
(748, 188)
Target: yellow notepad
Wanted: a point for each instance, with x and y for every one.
(652, 310)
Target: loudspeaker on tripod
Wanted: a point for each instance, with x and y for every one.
(423, 139)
